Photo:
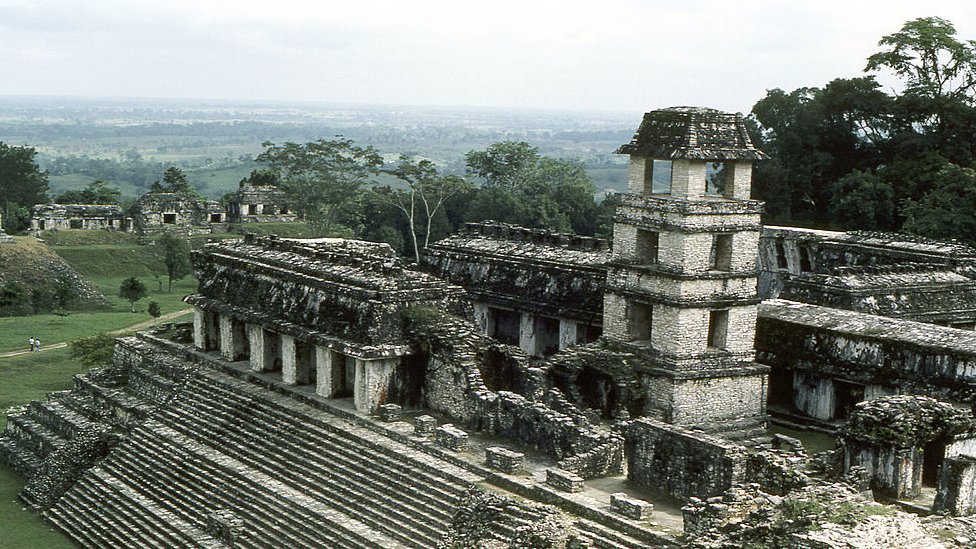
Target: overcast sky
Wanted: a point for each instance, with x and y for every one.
(620, 55)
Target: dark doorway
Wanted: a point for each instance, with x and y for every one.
(252, 209)
(598, 391)
(781, 388)
(846, 396)
(546, 335)
(503, 325)
(169, 219)
(933, 454)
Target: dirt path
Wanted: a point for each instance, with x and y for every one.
(133, 328)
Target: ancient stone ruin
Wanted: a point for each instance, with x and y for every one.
(54, 217)
(522, 388)
(173, 211)
(254, 203)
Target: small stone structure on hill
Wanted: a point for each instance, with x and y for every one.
(54, 217)
(254, 203)
(172, 211)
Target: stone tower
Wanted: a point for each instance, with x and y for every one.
(681, 286)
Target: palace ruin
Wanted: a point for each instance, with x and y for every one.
(522, 388)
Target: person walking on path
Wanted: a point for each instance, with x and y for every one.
(37, 344)
(31, 341)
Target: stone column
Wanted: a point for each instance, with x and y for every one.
(322, 358)
(527, 333)
(228, 343)
(199, 328)
(481, 317)
(288, 369)
(255, 333)
(373, 380)
(567, 333)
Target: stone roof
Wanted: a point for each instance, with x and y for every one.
(519, 243)
(77, 210)
(692, 133)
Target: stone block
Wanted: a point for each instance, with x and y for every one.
(504, 460)
(424, 426)
(564, 480)
(450, 437)
(632, 508)
(390, 412)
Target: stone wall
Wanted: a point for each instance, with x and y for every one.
(681, 463)
(815, 343)
(56, 217)
(162, 211)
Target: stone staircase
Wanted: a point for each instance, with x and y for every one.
(297, 475)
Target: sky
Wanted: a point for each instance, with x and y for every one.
(595, 55)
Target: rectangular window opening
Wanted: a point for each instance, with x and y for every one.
(657, 180)
(74, 224)
(647, 245)
(639, 320)
(252, 209)
(721, 255)
(805, 264)
(169, 219)
(215, 218)
(780, 254)
(718, 326)
(717, 178)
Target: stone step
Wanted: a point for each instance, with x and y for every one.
(387, 454)
(607, 538)
(18, 458)
(393, 516)
(70, 518)
(33, 436)
(57, 417)
(343, 429)
(259, 481)
(184, 484)
(327, 454)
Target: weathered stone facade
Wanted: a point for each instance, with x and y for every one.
(56, 217)
(259, 203)
(183, 212)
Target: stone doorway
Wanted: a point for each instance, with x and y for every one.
(598, 391)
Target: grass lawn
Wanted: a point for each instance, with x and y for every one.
(22, 379)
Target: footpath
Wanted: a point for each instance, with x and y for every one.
(133, 328)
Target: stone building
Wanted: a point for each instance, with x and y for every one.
(322, 312)
(56, 217)
(166, 211)
(681, 285)
(253, 203)
(4, 237)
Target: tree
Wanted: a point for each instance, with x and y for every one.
(154, 310)
(863, 200)
(22, 184)
(93, 351)
(947, 210)
(425, 195)
(523, 187)
(97, 192)
(176, 257)
(323, 179)
(132, 290)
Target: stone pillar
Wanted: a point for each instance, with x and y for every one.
(255, 335)
(567, 333)
(814, 395)
(373, 383)
(322, 358)
(527, 333)
(481, 317)
(288, 367)
(199, 328)
(228, 343)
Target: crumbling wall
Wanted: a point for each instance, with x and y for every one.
(55, 217)
(681, 463)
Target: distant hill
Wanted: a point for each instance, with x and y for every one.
(33, 279)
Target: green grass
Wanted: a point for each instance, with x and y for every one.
(22, 379)
(813, 441)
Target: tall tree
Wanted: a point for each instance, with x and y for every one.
(503, 164)
(323, 179)
(22, 184)
(132, 290)
(176, 257)
(425, 194)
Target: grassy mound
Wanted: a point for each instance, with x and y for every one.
(33, 279)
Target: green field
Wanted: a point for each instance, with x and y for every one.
(22, 379)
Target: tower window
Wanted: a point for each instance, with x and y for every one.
(722, 252)
(647, 245)
(639, 317)
(780, 254)
(717, 175)
(718, 327)
(658, 181)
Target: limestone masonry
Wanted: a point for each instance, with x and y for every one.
(523, 388)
